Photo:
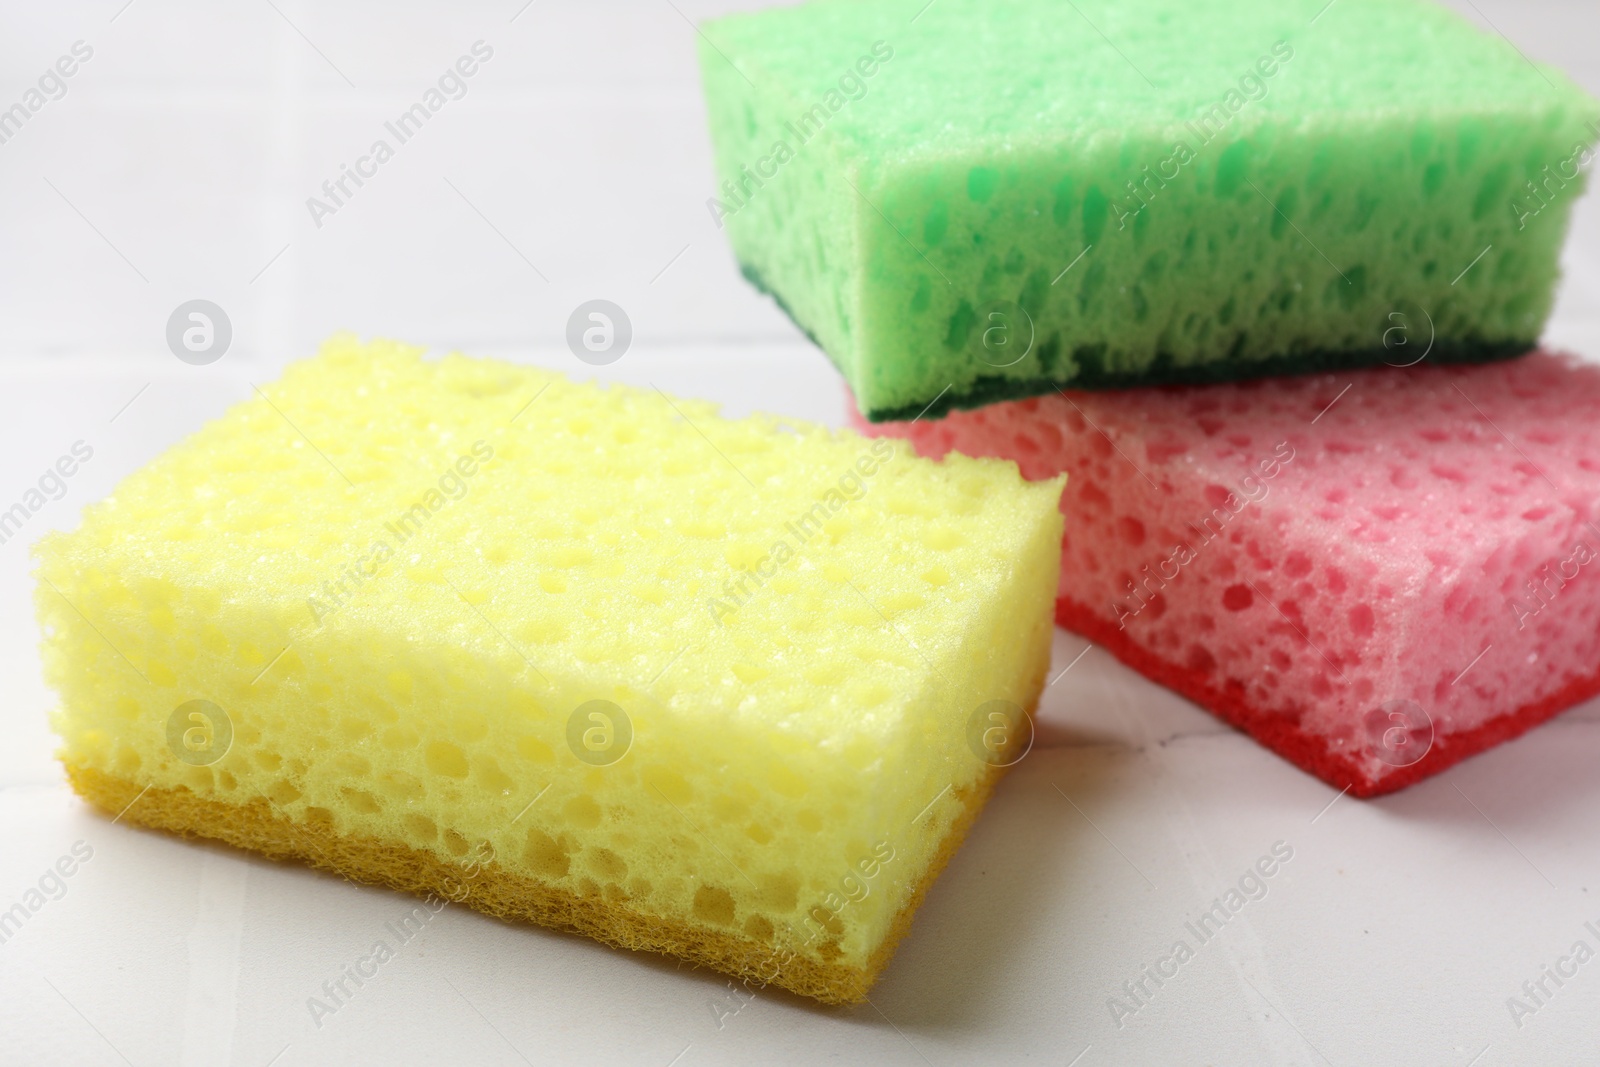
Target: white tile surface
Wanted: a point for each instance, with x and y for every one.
(189, 143)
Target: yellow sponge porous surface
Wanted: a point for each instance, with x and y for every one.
(727, 689)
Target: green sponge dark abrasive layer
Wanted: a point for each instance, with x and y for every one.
(980, 199)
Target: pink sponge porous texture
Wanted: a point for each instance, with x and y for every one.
(1375, 574)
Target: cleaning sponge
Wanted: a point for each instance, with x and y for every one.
(1375, 574)
(597, 659)
(995, 197)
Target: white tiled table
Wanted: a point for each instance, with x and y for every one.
(577, 166)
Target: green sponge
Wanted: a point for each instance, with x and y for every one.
(980, 199)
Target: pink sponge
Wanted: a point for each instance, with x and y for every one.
(1374, 574)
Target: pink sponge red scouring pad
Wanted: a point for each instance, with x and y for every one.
(1375, 574)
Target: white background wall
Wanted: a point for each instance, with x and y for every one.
(177, 166)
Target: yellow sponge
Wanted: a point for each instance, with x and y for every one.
(594, 658)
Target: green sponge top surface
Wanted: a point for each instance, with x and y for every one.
(1001, 74)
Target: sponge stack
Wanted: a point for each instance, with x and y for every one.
(597, 659)
(1011, 206)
